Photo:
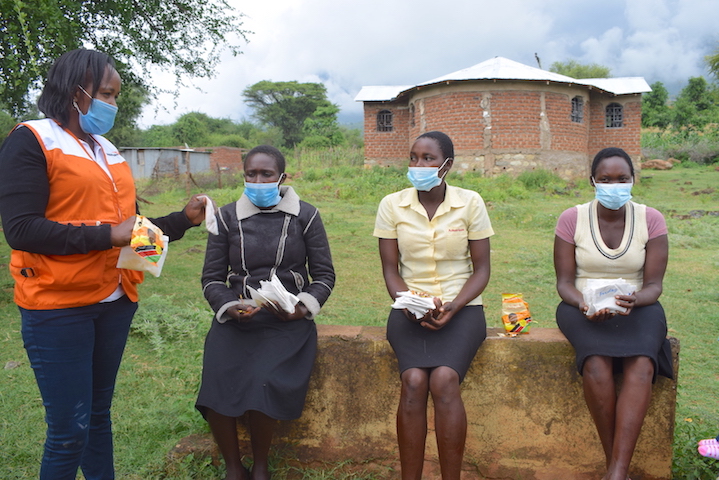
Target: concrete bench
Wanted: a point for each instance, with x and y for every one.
(525, 408)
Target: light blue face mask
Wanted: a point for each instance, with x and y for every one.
(613, 195)
(425, 179)
(263, 195)
(100, 117)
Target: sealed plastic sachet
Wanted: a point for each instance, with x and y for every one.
(147, 250)
(418, 303)
(515, 314)
(600, 293)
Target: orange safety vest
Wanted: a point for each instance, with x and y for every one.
(81, 193)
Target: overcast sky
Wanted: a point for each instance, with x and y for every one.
(348, 44)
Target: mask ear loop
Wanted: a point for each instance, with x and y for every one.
(441, 166)
(85, 92)
(74, 102)
(77, 108)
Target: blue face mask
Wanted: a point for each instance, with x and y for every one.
(263, 195)
(425, 179)
(613, 195)
(100, 117)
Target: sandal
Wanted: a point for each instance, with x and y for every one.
(708, 441)
(709, 451)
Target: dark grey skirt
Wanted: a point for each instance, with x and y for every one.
(454, 345)
(641, 333)
(263, 365)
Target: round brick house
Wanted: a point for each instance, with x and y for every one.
(506, 117)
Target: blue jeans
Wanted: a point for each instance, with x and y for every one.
(75, 354)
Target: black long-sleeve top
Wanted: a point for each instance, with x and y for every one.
(24, 193)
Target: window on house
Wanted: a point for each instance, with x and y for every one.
(384, 121)
(614, 116)
(578, 109)
(411, 114)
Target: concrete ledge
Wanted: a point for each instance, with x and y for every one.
(524, 401)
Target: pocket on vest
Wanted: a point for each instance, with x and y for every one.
(61, 272)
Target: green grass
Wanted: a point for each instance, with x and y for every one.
(158, 381)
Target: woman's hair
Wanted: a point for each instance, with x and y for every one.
(611, 152)
(272, 152)
(73, 68)
(445, 143)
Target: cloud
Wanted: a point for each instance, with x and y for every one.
(346, 45)
(663, 41)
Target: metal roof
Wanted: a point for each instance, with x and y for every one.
(380, 93)
(619, 86)
(500, 68)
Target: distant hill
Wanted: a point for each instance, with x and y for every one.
(351, 119)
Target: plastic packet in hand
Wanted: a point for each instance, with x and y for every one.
(147, 250)
(418, 303)
(273, 292)
(210, 218)
(599, 294)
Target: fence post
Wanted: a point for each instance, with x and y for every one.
(187, 171)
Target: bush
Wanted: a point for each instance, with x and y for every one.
(492, 189)
(543, 181)
(687, 463)
(163, 319)
(687, 144)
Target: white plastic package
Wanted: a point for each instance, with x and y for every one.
(599, 294)
(273, 292)
(418, 304)
(210, 218)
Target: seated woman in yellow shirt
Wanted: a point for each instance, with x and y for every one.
(434, 238)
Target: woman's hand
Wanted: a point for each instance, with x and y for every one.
(626, 301)
(479, 252)
(195, 209)
(242, 313)
(440, 316)
(428, 316)
(121, 234)
(600, 315)
(299, 313)
(411, 317)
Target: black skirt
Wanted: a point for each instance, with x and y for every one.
(263, 365)
(454, 345)
(641, 333)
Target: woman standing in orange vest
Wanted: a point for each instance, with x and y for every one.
(67, 201)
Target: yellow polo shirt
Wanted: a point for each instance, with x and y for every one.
(434, 254)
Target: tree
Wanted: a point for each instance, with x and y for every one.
(184, 37)
(574, 69)
(7, 122)
(696, 105)
(354, 137)
(655, 112)
(157, 136)
(286, 105)
(321, 129)
(191, 129)
(129, 108)
(713, 62)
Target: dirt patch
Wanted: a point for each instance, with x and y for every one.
(692, 214)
